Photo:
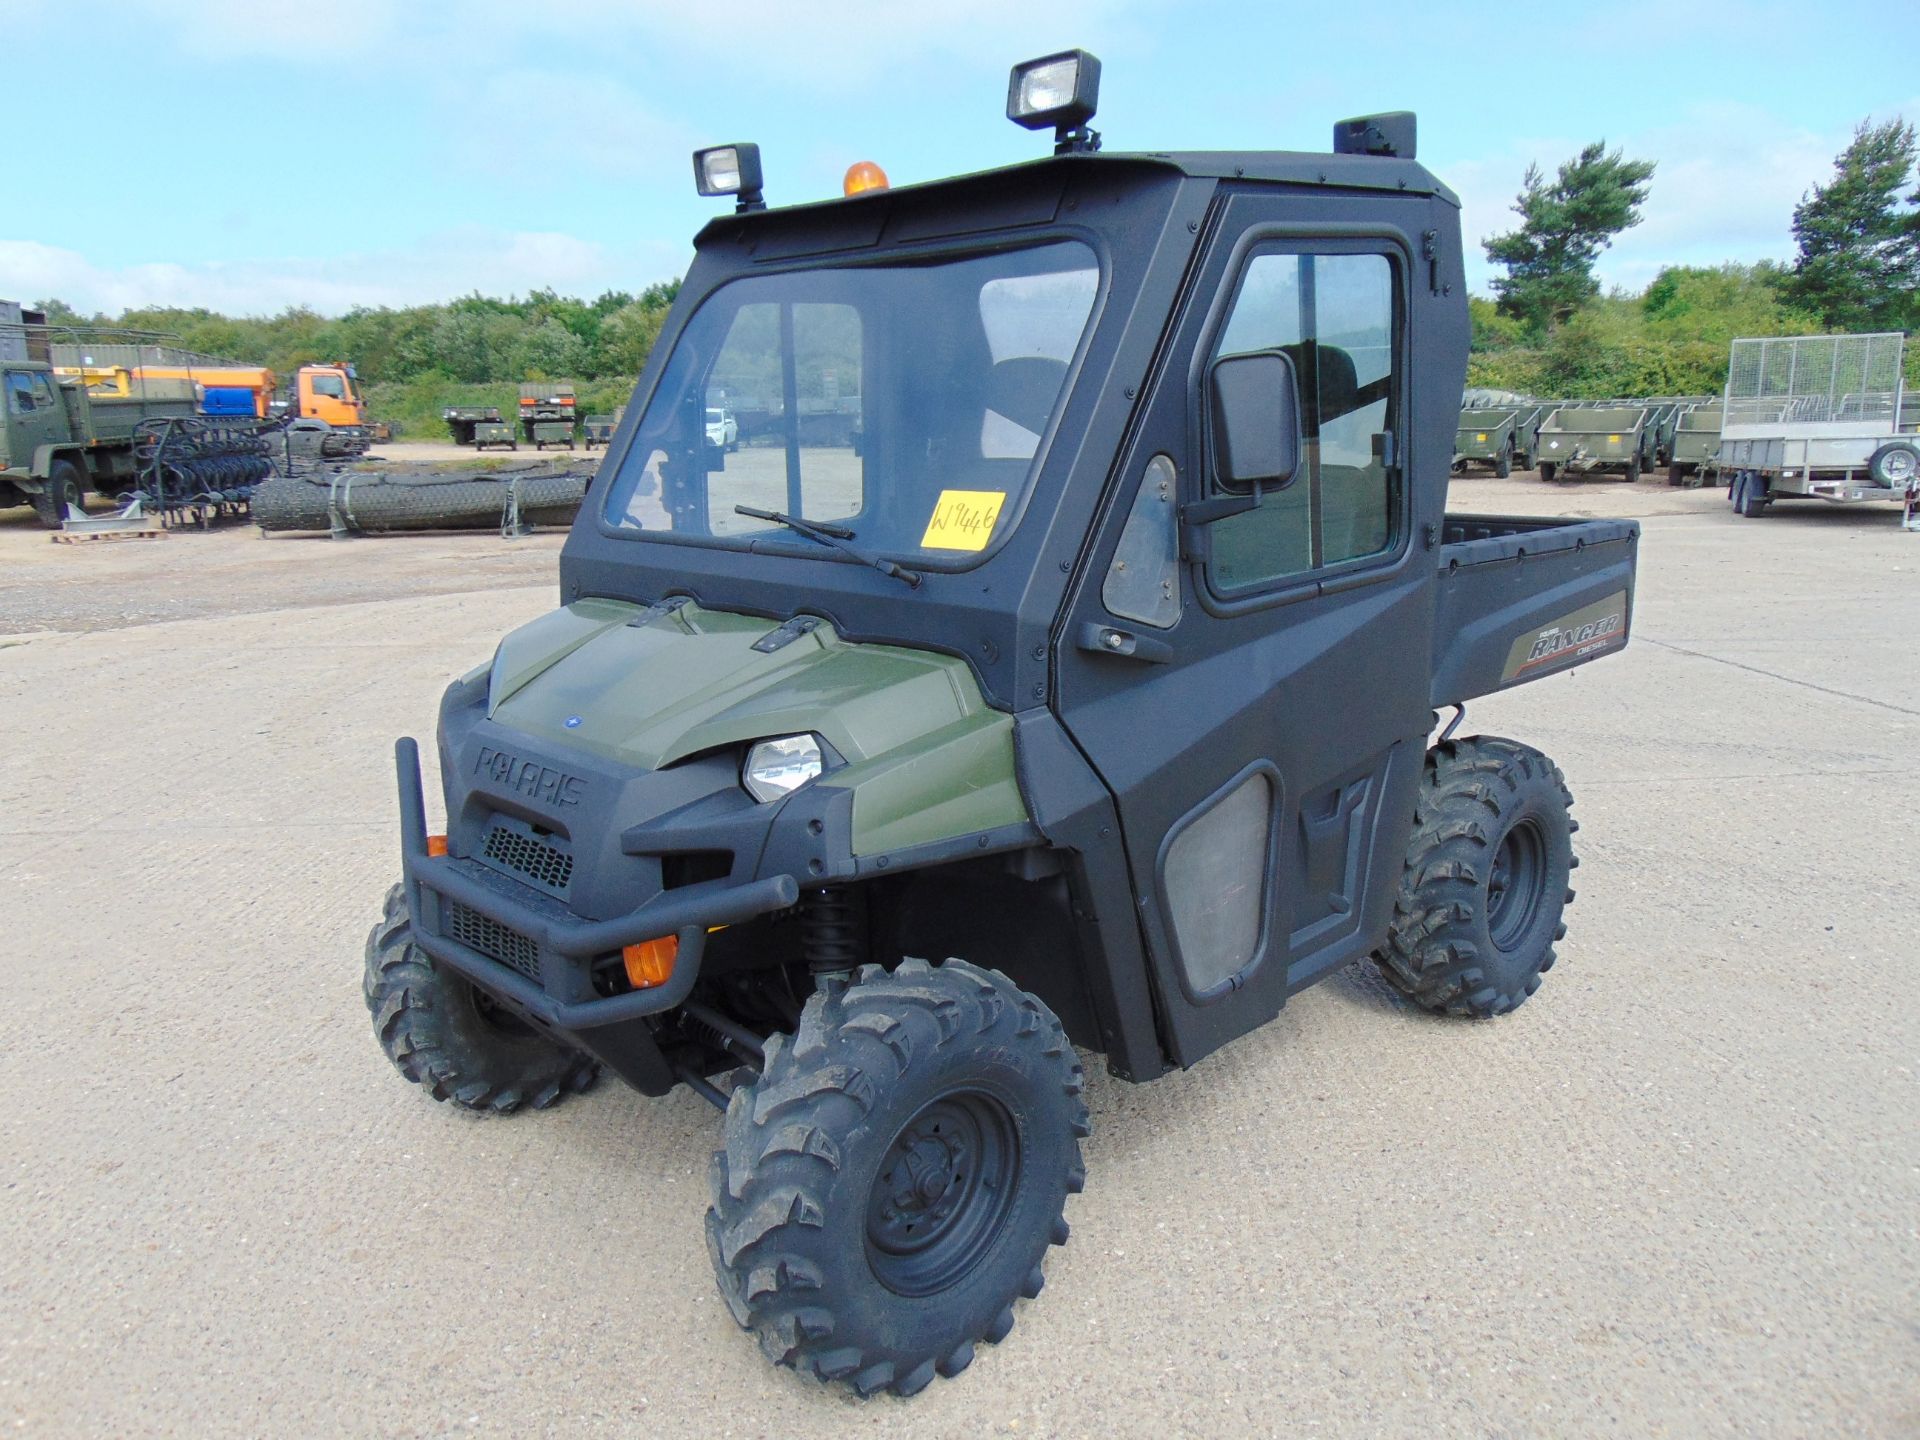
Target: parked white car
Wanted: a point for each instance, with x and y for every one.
(723, 430)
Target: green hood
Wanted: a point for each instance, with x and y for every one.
(927, 759)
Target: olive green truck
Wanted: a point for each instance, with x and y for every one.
(58, 441)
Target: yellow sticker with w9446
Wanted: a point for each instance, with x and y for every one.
(963, 520)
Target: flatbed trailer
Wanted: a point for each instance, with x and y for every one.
(1818, 417)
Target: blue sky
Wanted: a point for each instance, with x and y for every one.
(251, 154)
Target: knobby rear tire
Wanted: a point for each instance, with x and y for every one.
(1462, 942)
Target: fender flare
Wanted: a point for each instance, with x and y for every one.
(45, 455)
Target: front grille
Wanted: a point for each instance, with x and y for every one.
(492, 939)
(545, 865)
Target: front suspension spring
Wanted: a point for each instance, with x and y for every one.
(833, 930)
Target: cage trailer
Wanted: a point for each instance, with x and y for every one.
(1819, 417)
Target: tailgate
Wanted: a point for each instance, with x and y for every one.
(1520, 598)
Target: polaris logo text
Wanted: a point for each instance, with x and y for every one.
(529, 778)
(1556, 642)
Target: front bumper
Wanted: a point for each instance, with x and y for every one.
(562, 948)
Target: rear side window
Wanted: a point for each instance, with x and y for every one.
(1334, 314)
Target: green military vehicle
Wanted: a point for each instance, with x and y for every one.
(58, 442)
(1499, 430)
(1488, 435)
(1578, 439)
(489, 434)
(1694, 446)
(1089, 701)
(552, 432)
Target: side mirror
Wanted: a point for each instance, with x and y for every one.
(1254, 402)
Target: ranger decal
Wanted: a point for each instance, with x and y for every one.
(1585, 633)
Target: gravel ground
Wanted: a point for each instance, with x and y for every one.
(1676, 1194)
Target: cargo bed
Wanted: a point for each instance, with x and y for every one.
(1523, 597)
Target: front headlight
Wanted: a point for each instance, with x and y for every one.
(779, 767)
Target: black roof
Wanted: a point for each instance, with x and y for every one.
(1278, 167)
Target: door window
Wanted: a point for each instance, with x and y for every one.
(330, 385)
(28, 394)
(1334, 315)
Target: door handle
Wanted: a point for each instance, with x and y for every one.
(1122, 644)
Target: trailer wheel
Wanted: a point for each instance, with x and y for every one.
(64, 487)
(893, 1178)
(1749, 494)
(1503, 462)
(1485, 884)
(1895, 464)
(1633, 471)
(1675, 474)
(441, 1032)
(1547, 469)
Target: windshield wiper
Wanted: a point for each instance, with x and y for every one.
(836, 536)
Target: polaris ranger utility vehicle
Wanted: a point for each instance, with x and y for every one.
(1086, 703)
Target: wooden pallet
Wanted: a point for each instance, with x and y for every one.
(76, 537)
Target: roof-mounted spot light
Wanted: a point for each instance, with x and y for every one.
(730, 170)
(1059, 90)
(1391, 134)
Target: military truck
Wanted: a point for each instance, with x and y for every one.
(58, 442)
(549, 403)
(1818, 417)
(463, 420)
(1090, 702)
(1578, 439)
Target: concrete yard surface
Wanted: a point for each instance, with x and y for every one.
(1675, 1194)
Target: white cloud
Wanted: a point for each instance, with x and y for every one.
(440, 268)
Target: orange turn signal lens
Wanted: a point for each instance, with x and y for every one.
(863, 175)
(436, 844)
(650, 963)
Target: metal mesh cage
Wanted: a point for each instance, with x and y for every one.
(1814, 379)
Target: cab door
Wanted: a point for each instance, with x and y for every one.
(1253, 688)
(35, 415)
(327, 395)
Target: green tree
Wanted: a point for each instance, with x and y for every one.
(1719, 303)
(550, 351)
(1564, 225)
(1858, 263)
(626, 338)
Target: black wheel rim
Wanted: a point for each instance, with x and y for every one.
(942, 1193)
(1516, 884)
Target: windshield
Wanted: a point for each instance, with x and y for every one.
(905, 403)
